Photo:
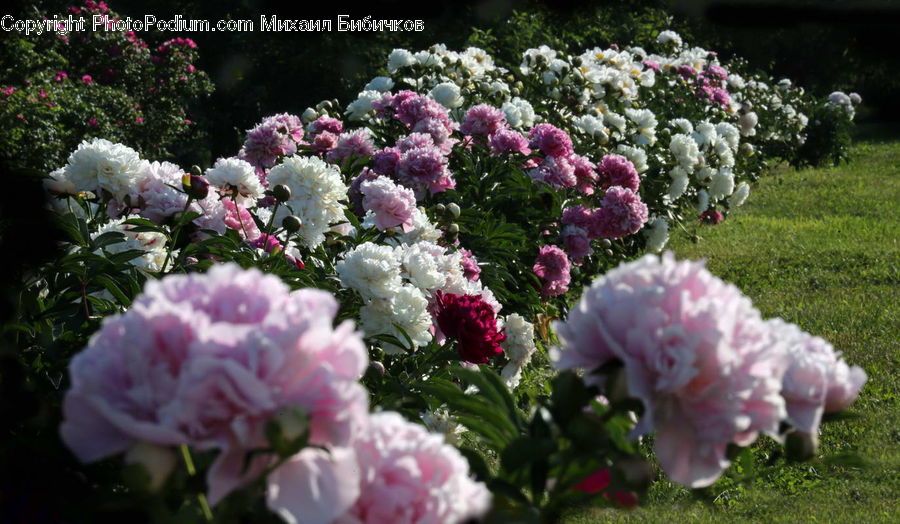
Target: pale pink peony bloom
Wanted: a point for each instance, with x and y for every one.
(557, 171)
(414, 141)
(424, 168)
(695, 352)
(393, 205)
(817, 380)
(357, 144)
(508, 141)
(408, 475)
(208, 359)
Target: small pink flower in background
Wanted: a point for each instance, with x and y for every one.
(685, 71)
(326, 123)
(138, 120)
(551, 140)
(651, 64)
(277, 135)
(556, 171)
(483, 120)
(621, 214)
(87, 79)
(7, 90)
(508, 141)
(617, 170)
(384, 161)
(391, 204)
(711, 217)
(207, 360)
(357, 144)
(577, 242)
(91, 122)
(470, 266)
(43, 93)
(190, 68)
(552, 266)
(60, 76)
(584, 174)
(595, 482)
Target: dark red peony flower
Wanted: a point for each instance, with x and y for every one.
(470, 321)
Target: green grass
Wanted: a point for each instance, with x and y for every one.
(820, 248)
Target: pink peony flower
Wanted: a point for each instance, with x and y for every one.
(552, 266)
(326, 124)
(817, 380)
(617, 170)
(621, 214)
(276, 135)
(355, 191)
(239, 219)
(483, 120)
(695, 352)
(580, 216)
(469, 265)
(556, 171)
(356, 144)
(392, 205)
(415, 141)
(207, 360)
(424, 168)
(87, 79)
(324, 141)
(577, 242)
(472, 322)
(711, 217)
(551, 140)
(384, 161)
(406, 474)
(584, 174)
(508, 141)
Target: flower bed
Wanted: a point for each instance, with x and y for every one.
(452, 237)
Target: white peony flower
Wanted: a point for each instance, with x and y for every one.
(748, 123)
(668, 36)
(681, 125)
(99, 164)
(645, 124)
(316, 191)
(657, 233)
(721, 185)
(362, 106)
(380, 84)
(399, 58)
(440, 421)
(702, 201)
(679, 182)
(151, 243)
(740, 195)
(421, 264)
(447, 94)
(519, 113)
(685, 150)
(371, 270)
(406, 310)
(228, 173)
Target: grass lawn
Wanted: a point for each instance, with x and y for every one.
(820, 248)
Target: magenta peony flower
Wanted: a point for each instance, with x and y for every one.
(508, 141)
(711, 217)
(392, 205)
(621, 214)
(577, 242)
(424, 168)
(324, 142)
(552, 266)
(685, 71)
(695, 352)
(412, 109)
(353, 144)
(617, 170)
(556, 171)
(584, 174)
(551, 140)
(472, 322)
(651, 64)
(239, 219)
(207, 360)
(410, 475)
(326, 124)
(440, 132)
(415, 141)
(483, 120)
(276, 135)
(580, 216)
(384, 161)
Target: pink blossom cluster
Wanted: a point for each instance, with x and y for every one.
(276, 136)
(621, 213)
(392, 205)
(552, 266)
(207, 360)
(707, 368)
(353, 144)
(415, 162)
(483, 120)
(420, 114)
(617, 170)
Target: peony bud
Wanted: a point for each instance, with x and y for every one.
(195, 186)
(454, 210)
(282, 193)
(440, 209)
(291, 224)
(453, 229)
(293, 422)
(375, 369)
(158, 462)
(309, 115)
